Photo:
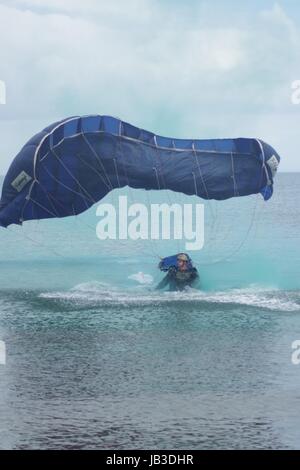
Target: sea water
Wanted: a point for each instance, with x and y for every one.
(96, 358)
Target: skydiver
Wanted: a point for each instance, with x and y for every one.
(180, 272)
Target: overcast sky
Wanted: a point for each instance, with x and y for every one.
(195, 69)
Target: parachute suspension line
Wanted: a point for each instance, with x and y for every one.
(117, 174)
(126, 175)
(108, 184)
(44, 157)
(195, 183)
(236, 194)
(112, 195)
(119, 186)
(98, 159)
(264, 161)
(159, 169)
(119, 148)
(235, 188)
(42, 207)
(214, 220)
(157, 178)
(51, 196)
(240, 246)
(85, 199)
(94, 169)
(123, 243)
(154, 252)
(48, 196)
(72, 176)
(265, 188)
(159, 188)
(213, 212)
(68, 188)
(37, 243)
(27, 198)
(159, 166)
(200, 171)
(83, 223)
(203, 181)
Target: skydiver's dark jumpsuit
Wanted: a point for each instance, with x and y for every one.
(178, 280)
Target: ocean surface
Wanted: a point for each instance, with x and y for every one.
(96, 358)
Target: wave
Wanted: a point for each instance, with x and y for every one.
(98, 293)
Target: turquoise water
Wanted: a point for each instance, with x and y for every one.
(97, 359)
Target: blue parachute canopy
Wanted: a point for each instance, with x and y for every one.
(74, 163)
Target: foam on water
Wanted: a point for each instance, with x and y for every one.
(141, 278)
(106, 294)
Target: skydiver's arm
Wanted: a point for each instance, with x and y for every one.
(166, 280)
(163, 283)
(195, 276)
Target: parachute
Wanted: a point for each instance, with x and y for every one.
(74, 163)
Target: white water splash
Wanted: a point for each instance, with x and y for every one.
(105, 294)
(142, 278)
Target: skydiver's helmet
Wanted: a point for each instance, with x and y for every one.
(183, 257)
(172, 262)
